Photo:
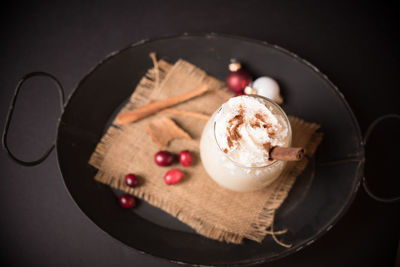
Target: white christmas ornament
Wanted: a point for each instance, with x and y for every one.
(267, 87)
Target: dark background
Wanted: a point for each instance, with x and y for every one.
(355, 43)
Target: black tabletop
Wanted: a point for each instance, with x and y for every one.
(356, 44)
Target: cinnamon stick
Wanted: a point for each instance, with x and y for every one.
(287, 153)
(156, 106)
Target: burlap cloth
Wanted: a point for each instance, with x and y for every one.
(198, 201)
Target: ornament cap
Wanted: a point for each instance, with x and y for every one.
(250, 91)
(234, 65)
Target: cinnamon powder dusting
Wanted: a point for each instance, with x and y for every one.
(255, 124)
(260, 117)
(271, 132)
(233, 132)
(266, 125)
(230, 143)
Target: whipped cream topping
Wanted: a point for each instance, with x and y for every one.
(246, 129)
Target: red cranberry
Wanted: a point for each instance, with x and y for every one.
(173, 176)
(127, 201)
(131, 180)
(185, 158)
(163, 158)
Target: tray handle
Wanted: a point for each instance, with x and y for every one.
(11, 110)
(365, 140)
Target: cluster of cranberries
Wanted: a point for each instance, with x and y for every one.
(125, 200)
(171, 177)
(165, 158)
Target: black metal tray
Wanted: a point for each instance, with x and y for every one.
(318, 199)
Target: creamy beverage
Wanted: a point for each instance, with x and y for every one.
(236, 141)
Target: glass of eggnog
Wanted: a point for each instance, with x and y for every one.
(236, 143)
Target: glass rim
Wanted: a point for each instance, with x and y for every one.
(275, 105)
